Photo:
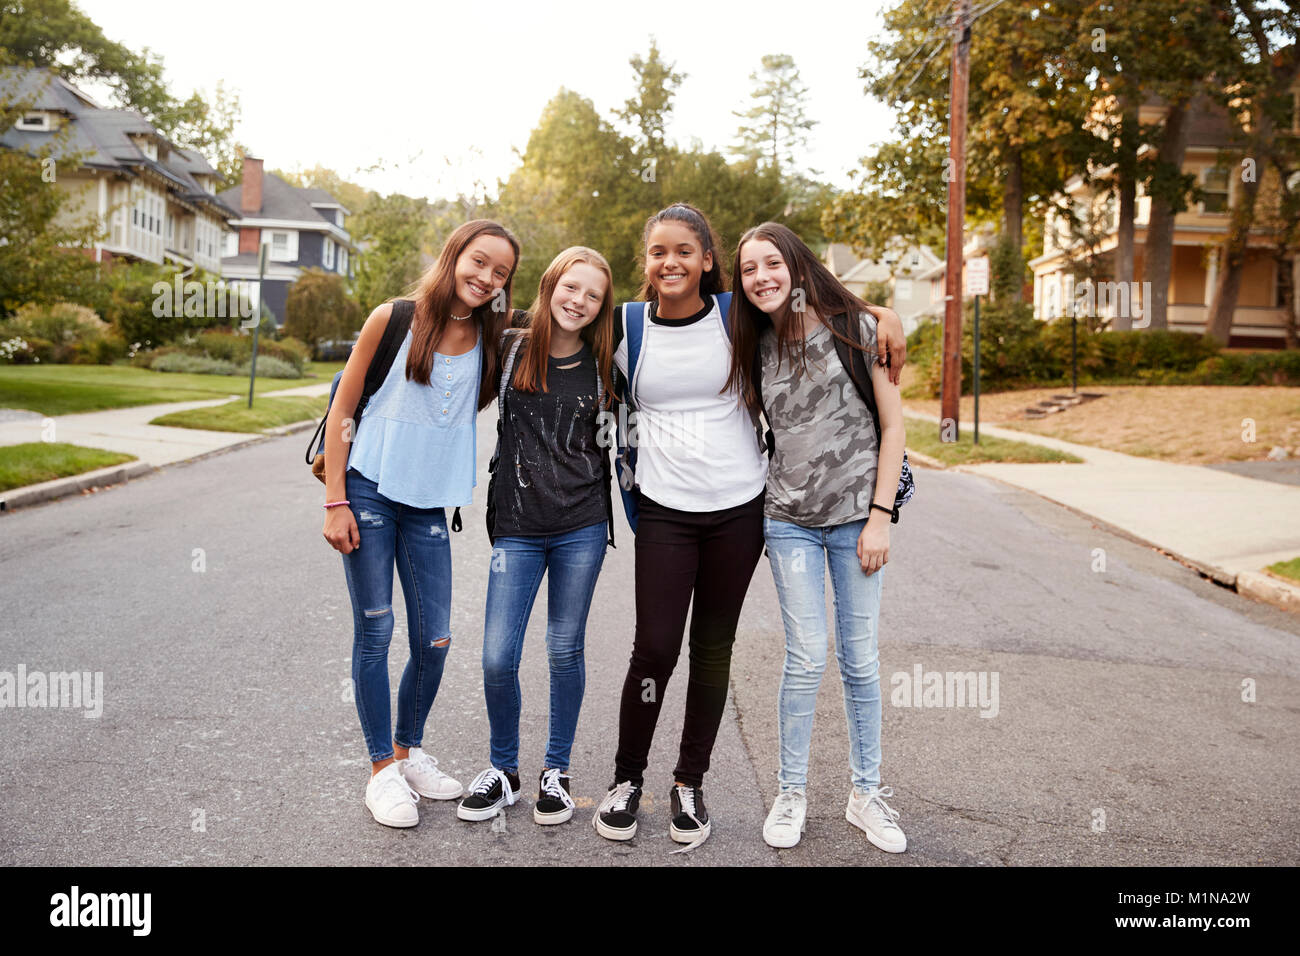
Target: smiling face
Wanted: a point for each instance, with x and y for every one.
(764, 275)
(578, 297)
(675, 260)
(481, 270)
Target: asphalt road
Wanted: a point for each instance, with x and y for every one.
(1120, 736)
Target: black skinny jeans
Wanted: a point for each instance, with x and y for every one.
(713, 555)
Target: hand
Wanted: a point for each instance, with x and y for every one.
(873, 544)
(891, 344)
(341, 530)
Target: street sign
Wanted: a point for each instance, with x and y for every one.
(977, 276)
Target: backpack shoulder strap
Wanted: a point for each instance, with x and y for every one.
(724, 307)
(634, 333)
(508, 367)
(399, 323)
(855, 363)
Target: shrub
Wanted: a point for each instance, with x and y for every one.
(62, 323)
(128, 300)
(27, 350)
(227, 345)
(288, 349)
(268, 366)
(176, 361)
(318, 307)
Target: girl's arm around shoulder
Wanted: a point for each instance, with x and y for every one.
(891, 343)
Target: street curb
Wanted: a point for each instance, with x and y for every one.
(73, 484)
(1252, 584)
(117, 474)
(923, 459)
(1265, 587)
(292, 427)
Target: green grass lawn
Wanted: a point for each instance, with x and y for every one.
(923, 437)
(64, 389)
(238, 417)
(37, 461)
(1286, 569)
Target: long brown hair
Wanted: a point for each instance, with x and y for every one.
(822, 294)
(434, 295)
(598, 333)
(711, 282)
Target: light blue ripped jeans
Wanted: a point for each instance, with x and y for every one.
(799, 557)
(416, 541)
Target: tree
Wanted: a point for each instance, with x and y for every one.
(391, 231)
(209, 128)
(1024, 136)
(318, 308)
(39, 256)
(353, 196)
(648, 111)
(577, 184)
(777, 123)
(1177, 52)
(1269, 75)
(56, 35)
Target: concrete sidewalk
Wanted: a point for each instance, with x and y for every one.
(128, 430)
(1227, 525)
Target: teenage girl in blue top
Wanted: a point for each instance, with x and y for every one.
(387, 483)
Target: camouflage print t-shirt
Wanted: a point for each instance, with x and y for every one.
(824, 469)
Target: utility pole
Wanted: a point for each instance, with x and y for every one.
(950, 395)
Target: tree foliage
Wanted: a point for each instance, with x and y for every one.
(318, 308)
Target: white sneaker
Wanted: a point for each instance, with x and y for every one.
(785, 823)
(876, 818)
(389, 799)
(423, 776)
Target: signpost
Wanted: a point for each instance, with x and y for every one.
(252, 365)
(977, 284)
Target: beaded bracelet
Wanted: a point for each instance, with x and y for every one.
(337, 504)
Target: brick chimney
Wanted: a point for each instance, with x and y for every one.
(250, 196)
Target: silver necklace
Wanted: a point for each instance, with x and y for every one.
(461, 318)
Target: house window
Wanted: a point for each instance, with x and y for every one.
(1215, 186)
(327, 253)
(280, 245)
(35, 120)
(343, 260)
(916, 258)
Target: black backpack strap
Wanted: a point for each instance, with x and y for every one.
(854, 360)
(399, 323)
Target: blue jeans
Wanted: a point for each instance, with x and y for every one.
(518, 563)
(799, 556)
(416, 540)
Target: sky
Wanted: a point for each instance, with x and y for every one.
(429, 98)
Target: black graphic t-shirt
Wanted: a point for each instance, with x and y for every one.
(549, 478)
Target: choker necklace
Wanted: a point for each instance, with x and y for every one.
(461, 318)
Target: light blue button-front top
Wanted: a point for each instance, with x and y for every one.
(417, 442)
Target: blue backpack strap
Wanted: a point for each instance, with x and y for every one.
(634, 334)
(634, 315)
(724, 306)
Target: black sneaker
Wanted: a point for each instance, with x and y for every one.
(554, 805)
(690, 822)
(490, 791)
(615, 818)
